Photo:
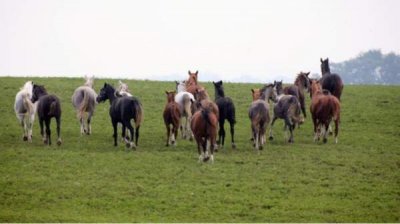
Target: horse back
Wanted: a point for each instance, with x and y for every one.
(333, 83)
(226, 109)
(325, 107)
(49, 106)
(259, 112)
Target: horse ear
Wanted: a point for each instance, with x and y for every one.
(252, 90)
(197, 72)
(166, 92)
(321, 60)
(105, 84)
(307, 74)
(189, 72)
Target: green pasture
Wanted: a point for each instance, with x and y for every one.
(87, 179)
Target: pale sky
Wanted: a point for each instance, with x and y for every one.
(231, 40)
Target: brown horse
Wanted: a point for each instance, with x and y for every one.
(324, 108)
(204, 127)
(172, 115)
(259, 114)
(301, 83)
(191, 84)
(203, 101)
(330, 81)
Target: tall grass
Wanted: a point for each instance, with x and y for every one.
(87, 179)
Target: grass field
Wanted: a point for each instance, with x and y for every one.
(87, 179)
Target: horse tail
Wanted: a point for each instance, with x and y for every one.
(335, 109)
(53, 107)
(205, 114)
(27, 103)
(187, 104)
(138, 113)
(84, 104)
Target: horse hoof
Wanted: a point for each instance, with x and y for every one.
(45, 141)
(260, 148)
(128, 145)
(59, 142)
(271, 138)
(205, 159)
(167, 145)
(325, 140)
(233, 146)
(25, 138)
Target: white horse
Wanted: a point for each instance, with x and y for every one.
(25, 110)
(123, 89)
(84, 101)
(185, 101)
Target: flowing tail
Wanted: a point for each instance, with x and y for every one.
(53, 107)
(27, 103)
(84, 105)
(187, 106)
(139, 113)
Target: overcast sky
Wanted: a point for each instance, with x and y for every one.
(230, 40)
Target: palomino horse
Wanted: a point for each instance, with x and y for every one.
(84, 101)
(330, 81)
(172, 116)
(288, 109)
(324, 108)
(301, 83)
(259, 114)
(185, 101)
(25, 110)
(122, 110)
(48, 107)
(123, 89)
(226, 110)
(204, 126)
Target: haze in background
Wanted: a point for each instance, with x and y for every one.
(238, 41)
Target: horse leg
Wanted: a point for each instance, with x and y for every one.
(271, 137)
(48, 131)
(326, 131)
(168, 134)
(58, 121)
(289, 125)
(137, 135)
(42, 131)
(182, 131)
(123, 133)
(21, 119)
(221, 133)
(174, 133)
(89, 126)
(130, 143)
(232, 125)
(189, 130)
(115, 126)
(81, 123)
(31, 121)
(336, 130)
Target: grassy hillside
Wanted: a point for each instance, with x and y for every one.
(87, 179)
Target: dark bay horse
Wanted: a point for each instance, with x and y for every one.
(226, 110)
(204, 126)
(122, 110)
(48, 107)
(259, 114)
(324, 108)
(330, 81)
(172, 116)
(301, 83)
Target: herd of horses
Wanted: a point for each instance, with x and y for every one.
(190, 110)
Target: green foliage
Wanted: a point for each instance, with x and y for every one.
(87, 179)
(371, 67)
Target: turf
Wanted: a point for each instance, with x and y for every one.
(87, 179)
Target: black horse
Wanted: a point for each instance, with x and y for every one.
(122, 110)
(226, 112)
(48, 107)
(330, 81)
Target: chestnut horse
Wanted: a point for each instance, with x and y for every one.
(259, 114)
(330, 81)
(172, 116)
(301, 83)
(324, 108)
(191, 84)
(204, 126)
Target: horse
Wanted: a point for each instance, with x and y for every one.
(185, 101)
(48, 107)
(84, 101)
(123, 89)
(191, 84)
(25, 110)
(172, 115)
(330, 81)
(287, 108)
(259, 114)
(301, 83)
(204, 126)
(122, 110)
(226, 110)
(324, 107)
(203, 101)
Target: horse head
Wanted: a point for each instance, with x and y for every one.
(37, 92)
(268, 92)
(192, 80)
(279, 87)
(180, 86)
(170, 96)
(219, 89)
(89, 80)
(315, 87)
(325, 66)
(107, 92)
(302, 81)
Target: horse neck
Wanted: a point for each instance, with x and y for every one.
(111, 96)
(219, 93)
(325, 70)
(181, 88)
